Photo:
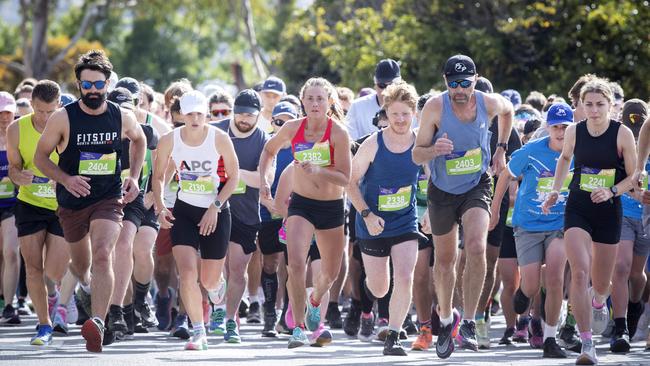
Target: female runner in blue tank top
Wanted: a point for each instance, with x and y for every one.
(605, 160)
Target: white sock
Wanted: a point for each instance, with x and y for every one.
(253, 299)
(549, 331)
(446, 321)
(86, 288)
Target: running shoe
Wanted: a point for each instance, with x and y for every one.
(23, 308)
(10, 316)
(620, 341)
(521, 302)
(52, 304)
(180, 328)
(382, 329)
(507, 337)
(60, 321)
(333, 316)
(270, 320)
(281, 327)
(217, 323)
(288, 317)
(495, 307)
(392, 345)
(552, 349)
(435, 321)
(599, 317)
(409, 326)
(536, 334)
(467, 336)
(569, 339)
(312, 318)
(84, 301)
(254, 316)
(243, 309)
(43, 337)
(116, 322)
(145, 315)
(483, 333)
(609, 330)
(445, 342)
(352, 321)
(164, 310)
(424, 340)
(129, 318)
(320, 337)
(521, 333)
(367, 331)
(198, 342)
(93, 333)
(298, 338)
(71, 308)
(232, 333)
(634, 312)
(588, 354)
(217, 296)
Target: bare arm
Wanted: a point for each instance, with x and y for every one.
(131, 130)
(231, 165)
(424, 149)
(626, 141)
(562, 168)
(500, 107)
(280, 139)
(503, 181)
(160, 169)
(281, 202)
(16, 173)
(360, 163)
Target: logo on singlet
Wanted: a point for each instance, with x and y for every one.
(99, 138)
(195, 165)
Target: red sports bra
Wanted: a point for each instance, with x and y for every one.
(320, 153)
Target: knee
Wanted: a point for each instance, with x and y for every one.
(296, 268)
(270, 264)
(475, 248)
(10, 255)
(445, 260)
(379, 289)
(622, 270)
(580, 276)
(237, 276)
(102, 257)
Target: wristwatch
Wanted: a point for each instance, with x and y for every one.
(217, 204)
(504, 145)
(365, 213)
(614, 190)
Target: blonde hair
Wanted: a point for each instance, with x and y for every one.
(335, 111)
(400, 92)
(597, 85)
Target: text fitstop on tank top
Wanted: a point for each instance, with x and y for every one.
(94, 150)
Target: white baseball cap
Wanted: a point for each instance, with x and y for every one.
(7, 102)
(194, 101)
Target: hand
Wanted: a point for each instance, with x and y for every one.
(646, 197)
(550, 201)
(495, 215)
(308, 167)
(601, 195)
(130, 189)
(208, 223)
(165, 218)
(375, 224)
(77, 185)
(265, 191)
(148, 200)
(498, 161)
(641, 175)
(24, 178)
(425, 221)
(443, 146)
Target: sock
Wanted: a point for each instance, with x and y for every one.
(468, 321)
(585, 336)
(313, 302)
(620, 323)
(140, 292)
(366, 315)
(98, 320)
(198, 329)
(549, 331)
(446, 321)
(85, 287)
(252, 299)
(478, 317)
(595, 304)
(426, 323)
(270, 289)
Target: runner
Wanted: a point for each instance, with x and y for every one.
(604, 162)
(273, 89)
(248, 140)
(538, 236)
(87, 135)
(10, 253)
(453, 138)
(36, 221)
(201, 219)
(321, 149)
(382, 190)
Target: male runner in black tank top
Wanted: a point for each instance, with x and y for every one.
(88, 136)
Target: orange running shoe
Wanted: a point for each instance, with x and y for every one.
(424, 340)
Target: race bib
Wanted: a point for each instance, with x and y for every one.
(41, 187)
(282, 234)
(241, 188)
(97, 163)
(423, 184)
(196, 183)
(317, 153)
(509, 217)
(592, 179)
(464, 162)
(7, 188)
(394, 199)
(545, 182)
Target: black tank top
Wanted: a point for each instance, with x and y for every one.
(597, 153)
(94, 150)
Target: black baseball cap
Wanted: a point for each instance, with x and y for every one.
(484, 85)
(131, 84)
(387, 71)
(635, 112)
(459, 67)
(122, 97)
(247, 101)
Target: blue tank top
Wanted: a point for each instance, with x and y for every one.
(461, 170)
(283, 159)
(7, 187)
(389, 189)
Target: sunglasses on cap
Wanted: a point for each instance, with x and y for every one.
(464, 83)
(278, 122)
(635, 118)
(221, 112)
(383, 85)
(87, 85)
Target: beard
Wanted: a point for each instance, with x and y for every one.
(95, 102)
(244, 127)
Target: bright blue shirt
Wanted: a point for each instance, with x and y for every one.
(631, 207)
(536, 162)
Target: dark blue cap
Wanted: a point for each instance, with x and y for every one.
(67, 98)
(387, 71)
(131, 84)
(274, 85)
(513, 96)
(247, 101)
(285, 108)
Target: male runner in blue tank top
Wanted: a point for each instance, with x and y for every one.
(454, 140)
(88, 136)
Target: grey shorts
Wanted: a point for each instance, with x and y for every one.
(632, 230)
(532, 245)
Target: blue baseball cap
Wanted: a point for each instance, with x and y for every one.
(247, 101)
(275, 85)
(559, 113)
(285, 108)
(513, 96)
(67, 98)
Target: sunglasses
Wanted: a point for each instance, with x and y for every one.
(87, 85)
(463, 84)
(383, 85)
(178, 124)
(221, 112)
(278, 122)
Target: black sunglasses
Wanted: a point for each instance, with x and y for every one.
(278, 122)
(383, 85)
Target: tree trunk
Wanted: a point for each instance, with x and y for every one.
(38, 56)
(247, 13)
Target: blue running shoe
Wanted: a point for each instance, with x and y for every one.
(298, 338)
(43, 337)
(232, 333)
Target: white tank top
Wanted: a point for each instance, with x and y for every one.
(197, 169)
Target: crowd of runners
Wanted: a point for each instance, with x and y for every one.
(125, 211)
